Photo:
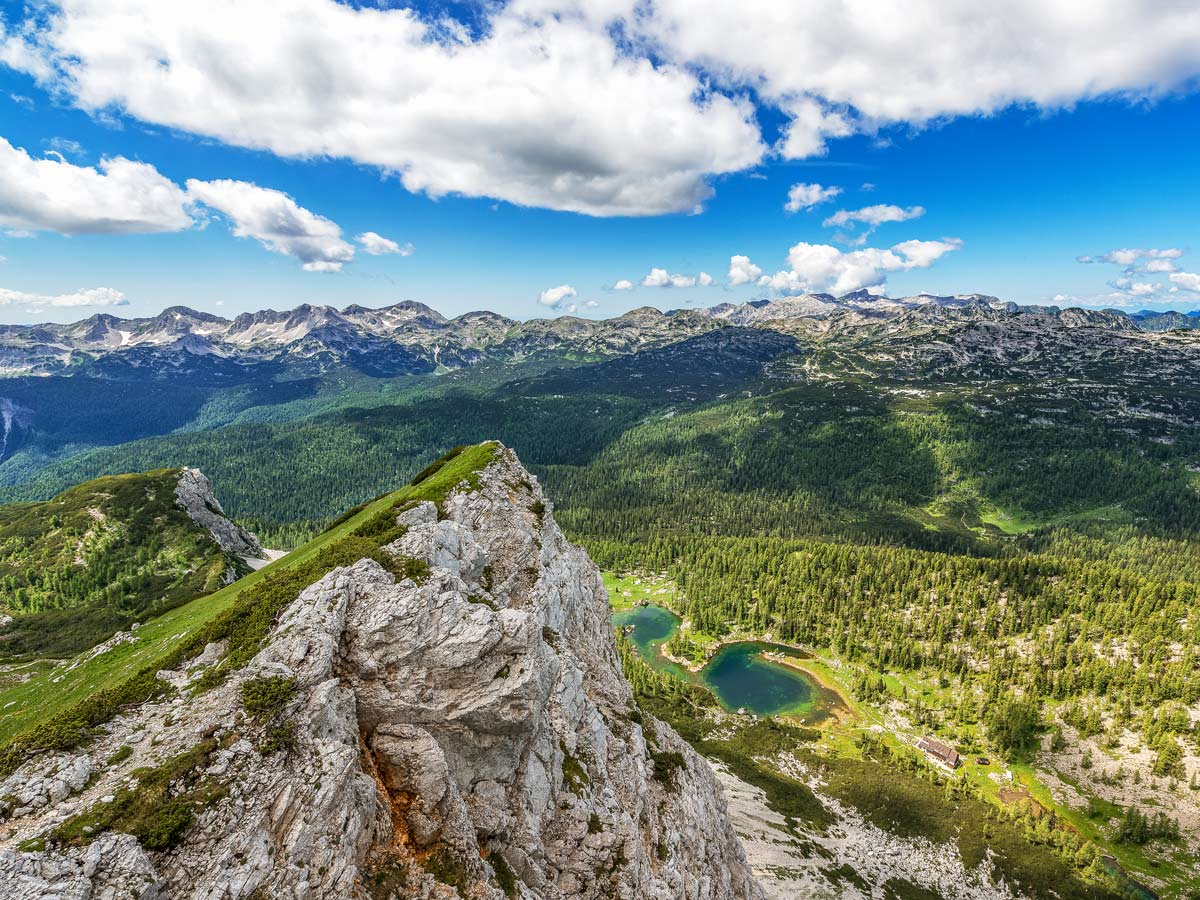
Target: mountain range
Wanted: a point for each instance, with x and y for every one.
(411, 338)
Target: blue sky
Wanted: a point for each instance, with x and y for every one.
(1013, 187)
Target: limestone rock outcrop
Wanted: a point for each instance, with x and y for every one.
(194, 493)
(467, 734)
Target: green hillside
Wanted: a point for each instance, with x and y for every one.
(56, 707)
(98, 557)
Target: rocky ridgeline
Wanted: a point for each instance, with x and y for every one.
(467, 733)
(194, 493)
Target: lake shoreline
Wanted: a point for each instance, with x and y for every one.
(764, 652)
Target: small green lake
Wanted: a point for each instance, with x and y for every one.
(741, 675)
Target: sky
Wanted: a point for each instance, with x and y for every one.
(549, 157)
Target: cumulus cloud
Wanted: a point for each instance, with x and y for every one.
(122, 196)
(1135, 261)
(661, 278)
(821, 62)
(1189, 281)
(812, 124)
(538, 110)
(378, 245)
(277, 222)
(821, 267)
(806, 196)
(1135, 288)
(605, 107)
(101, 296)
(544, 108)
(623, 285)
(1159, 266)
(742, 271)
(872, 217)
(704, 279)
(557, 297)
(119, 196)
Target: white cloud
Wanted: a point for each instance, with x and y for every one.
(591, 304)
(858, 60)
(806, 196)
(873, 216)
(18, 53)
(1159, 265)
(537, 110)
(101, 296)
(66, 147)
(623, 285)
(277, 222)
(1189, 281)
(541, 106)
(812, 123)
(1152, 259)
(378, 245)
(120, 196)
(821, 267)
(661, 278)
(704, 279)
(556, 297)
(742, 271)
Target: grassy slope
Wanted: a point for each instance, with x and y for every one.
(98, 557)
(57, 689)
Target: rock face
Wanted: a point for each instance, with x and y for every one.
(465, 735)
(195, 495)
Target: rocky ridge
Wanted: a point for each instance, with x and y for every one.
(461, 731)
(195, 494)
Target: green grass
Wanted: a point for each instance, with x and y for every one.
(158, 810)
(97, 558)
(56, 691)
(1016, 522)
(627, 590)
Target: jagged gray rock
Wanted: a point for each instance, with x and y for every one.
(194, 493)
(470, 735)
(114, 867)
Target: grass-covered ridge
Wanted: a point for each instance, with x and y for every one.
(57, 708)
(98, 557)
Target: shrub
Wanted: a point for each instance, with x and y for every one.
(575, 776)
(157, 807)
(505, 877)
(267, 696)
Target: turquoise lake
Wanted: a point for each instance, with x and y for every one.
(739, 674)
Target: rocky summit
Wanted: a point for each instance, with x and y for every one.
(462, 729)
